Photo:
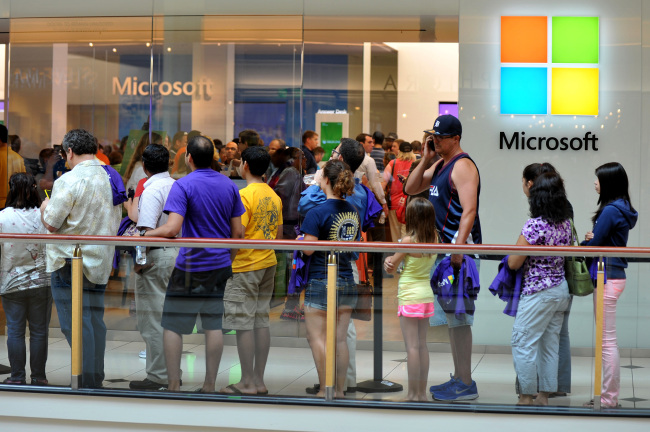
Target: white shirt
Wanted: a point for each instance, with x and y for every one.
(82, 204)
(23, 264)
(369, 168)
(153, 199)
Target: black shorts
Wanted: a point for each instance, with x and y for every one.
(195, 293)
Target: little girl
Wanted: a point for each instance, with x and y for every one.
(415, 298)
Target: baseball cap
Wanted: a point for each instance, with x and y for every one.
(391, 136)
(405, 147)
(446, 125)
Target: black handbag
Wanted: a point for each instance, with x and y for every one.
(576, 271)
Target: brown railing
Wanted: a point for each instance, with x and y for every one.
(483, 249)
(330, 369)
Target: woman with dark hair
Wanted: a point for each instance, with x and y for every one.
(545, 293)
(24, 283)
(334, 220)
(288, 185)
(531, 172)
(613, 221)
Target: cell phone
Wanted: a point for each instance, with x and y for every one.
(429, 142)
(130, 193)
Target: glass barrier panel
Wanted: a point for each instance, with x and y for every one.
(239, 327)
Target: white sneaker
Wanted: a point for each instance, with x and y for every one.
(143, 354)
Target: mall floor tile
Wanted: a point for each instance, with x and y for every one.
(291, 370)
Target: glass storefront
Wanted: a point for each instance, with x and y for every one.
(157, 71)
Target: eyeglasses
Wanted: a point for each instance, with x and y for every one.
(335, 153)
(441, 137)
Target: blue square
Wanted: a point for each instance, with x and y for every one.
(524, 90)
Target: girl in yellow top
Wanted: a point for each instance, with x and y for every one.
(415, 298)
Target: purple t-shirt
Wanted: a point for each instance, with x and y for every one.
(543, 272)
(207, 201)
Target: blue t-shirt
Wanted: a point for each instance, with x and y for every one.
(207, 200)
(334, 220)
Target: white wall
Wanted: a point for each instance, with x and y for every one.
(503, 208)
(428, 74)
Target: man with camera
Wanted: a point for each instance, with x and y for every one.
(82, 204)
(454, 187)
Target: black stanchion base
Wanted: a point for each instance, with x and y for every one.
(383, 386)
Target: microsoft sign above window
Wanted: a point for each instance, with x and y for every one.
(568, 84)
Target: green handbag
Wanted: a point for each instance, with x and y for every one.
(576, 271)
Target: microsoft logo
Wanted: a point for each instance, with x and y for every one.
(568, 84)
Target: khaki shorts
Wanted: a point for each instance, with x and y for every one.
(247, 299)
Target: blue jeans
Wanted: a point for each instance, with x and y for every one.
(564, 357)
(536, 338)
(564, 364)
(33, 305)
(93, 330)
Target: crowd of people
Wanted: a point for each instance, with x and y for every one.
(181, 188)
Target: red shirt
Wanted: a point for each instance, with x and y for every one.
(140, 187)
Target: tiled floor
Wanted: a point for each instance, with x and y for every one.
(291, 370)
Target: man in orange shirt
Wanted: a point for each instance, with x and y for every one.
(10, 163)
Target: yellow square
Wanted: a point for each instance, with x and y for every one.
(574, 91)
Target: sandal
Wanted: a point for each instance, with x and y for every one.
(233, 391)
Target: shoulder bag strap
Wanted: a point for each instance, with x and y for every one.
(574, 233)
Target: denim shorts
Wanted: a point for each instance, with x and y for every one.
(316, 293)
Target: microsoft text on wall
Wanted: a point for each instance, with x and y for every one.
(549, 76)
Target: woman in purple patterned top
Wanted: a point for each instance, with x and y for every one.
(545, 293)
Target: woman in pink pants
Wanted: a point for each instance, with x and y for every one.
(613, 221)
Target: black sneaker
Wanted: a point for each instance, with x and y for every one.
(147, 384)
(39, 382)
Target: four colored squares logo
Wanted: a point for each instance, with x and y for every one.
(549, 75)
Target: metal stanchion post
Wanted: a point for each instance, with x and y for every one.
(330, 349)
(378, 384)
(600, 293)
(77, 320)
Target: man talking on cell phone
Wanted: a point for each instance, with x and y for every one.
(454, 186)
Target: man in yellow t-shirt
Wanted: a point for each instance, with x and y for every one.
(248, 293)
(10, 163)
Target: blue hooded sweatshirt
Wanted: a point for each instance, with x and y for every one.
(611, 229)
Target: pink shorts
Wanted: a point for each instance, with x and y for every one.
(420, 310)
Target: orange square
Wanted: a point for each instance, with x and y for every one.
(524, 39)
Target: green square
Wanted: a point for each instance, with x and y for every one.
(575, 40)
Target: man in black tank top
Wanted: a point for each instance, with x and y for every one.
(454, 186)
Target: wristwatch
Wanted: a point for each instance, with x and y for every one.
(142, 233)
